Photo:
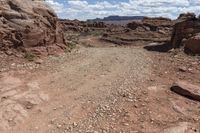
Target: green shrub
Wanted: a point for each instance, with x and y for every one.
(29, 56)
(72, 44)
(71, 40)
(92, 33)
(87, 44)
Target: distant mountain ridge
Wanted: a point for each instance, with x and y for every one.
(118, 18)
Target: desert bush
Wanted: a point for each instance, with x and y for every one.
(87, 44)
(72, 45)
(71, 40)
(29, 56)
(92, 33)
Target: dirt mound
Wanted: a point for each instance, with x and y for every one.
(29, 26)
(185, 33)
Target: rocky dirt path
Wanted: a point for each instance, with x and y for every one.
(62, 86)
(93, 90)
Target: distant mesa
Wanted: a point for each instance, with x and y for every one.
(118, 18)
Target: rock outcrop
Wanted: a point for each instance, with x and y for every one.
(147, 31)
(29, 26)
(193, 44)
(82, 26)
(186, 89)
(157, 23)
(152, 24)
(187, 33)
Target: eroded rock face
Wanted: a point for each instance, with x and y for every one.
(29, 26)
(82, 26)
(186, 32)
(152, 24)
(193, 44)
(134, 25)
(187, 16)
(156, 29)
(156, 23)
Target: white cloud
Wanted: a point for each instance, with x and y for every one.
(58, 7)
(82, 9)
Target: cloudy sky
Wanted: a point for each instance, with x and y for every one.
(87, 9)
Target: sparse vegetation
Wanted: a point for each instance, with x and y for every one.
(29, 56)
(92, 33)
(87, 44)
(71, 45)
(72, 40)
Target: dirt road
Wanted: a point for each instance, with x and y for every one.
(90, 90)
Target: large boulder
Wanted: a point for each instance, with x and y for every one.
(186, 89)
(29, 26)
(193, 44)
(185, 32)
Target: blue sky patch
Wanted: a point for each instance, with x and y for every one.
(88, 9)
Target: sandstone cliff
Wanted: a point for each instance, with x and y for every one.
(29, 26)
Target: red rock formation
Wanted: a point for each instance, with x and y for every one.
(151, 29)
(157, 22)
(153, 24)
(186, 16)
(29, 26)
(193, 44)
(134, 25)
(186, 28)
(82, 26)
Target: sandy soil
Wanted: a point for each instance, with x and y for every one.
(99, 90)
